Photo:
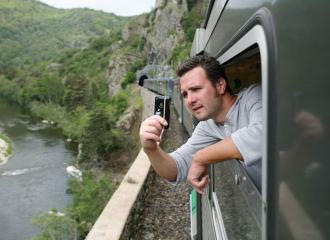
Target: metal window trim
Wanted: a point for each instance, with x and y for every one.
(217, 8)
(216, 207)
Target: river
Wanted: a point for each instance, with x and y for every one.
(35, 179)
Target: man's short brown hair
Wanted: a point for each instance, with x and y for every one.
(210, 65)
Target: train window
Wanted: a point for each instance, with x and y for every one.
(244, 73)
(237, 189)
(238, 220)
(241, 215)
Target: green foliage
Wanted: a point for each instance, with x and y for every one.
(99, 43)
(9, 71)
(129, 78)
(90, 197)
(192, 19)
(97, 137)
(120, 103)
(137, 64)
(179, 53)
(55, 227)
(37, 32)
(135, 42)
(132, 22)
(191, 4)
(171, 32)
(48, 88)
(141, 44)
(9, 89)
(76, 92)
(10, 146)
(190, 34)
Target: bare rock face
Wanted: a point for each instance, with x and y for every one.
(168, 31)
(115, 46)
(127, 119)
(159, 4)
(166, 28)
(53, 66)
(117, 70)
(125, 32)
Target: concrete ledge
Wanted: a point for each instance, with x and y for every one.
(111, 223)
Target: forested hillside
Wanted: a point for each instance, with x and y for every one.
(31, 31)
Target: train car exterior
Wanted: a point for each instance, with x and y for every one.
(284, 45)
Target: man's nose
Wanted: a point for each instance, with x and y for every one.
(191, 99)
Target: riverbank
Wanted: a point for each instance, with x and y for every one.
(6, 149)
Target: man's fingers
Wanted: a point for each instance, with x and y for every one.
(200, 191)
(156, 121)
(160, 120)
(149, 136)
(199, 185)
(152, 129)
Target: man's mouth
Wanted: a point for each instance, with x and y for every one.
(196, 109)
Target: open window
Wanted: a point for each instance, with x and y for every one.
(237, 194)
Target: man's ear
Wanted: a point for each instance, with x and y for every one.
(221, 86)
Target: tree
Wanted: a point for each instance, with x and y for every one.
(98, 138)
(137, 65)
(51, 88)
(77, 92)
(129, 78)
(55, 226)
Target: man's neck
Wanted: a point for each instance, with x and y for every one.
(228, 101)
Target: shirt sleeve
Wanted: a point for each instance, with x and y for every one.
(248, 139)
(184, 155)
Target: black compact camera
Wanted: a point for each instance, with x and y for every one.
(162, 108)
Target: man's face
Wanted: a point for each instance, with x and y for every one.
(200, 97)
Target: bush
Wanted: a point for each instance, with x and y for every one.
(190, 34)
(120, 103)
(129, 78)
(123, 84)
(93, 62)
(90, 198)
(138, 64)
(135, 42)
(141, 44)
(100, 42)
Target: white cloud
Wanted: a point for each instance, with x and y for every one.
(118, 7)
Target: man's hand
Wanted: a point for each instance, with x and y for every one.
(150, 132)
(197, 171)
(310, 126)
(216, 153)
(163, 163)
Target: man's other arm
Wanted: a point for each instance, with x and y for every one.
(163, 163)
(216, 153)
(244, 144)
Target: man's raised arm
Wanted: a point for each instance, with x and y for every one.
(163, 163)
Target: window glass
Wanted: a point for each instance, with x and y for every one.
(238, 219)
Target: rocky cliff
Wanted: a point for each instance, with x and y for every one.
(158, 32)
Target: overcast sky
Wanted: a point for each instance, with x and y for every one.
(118, 7)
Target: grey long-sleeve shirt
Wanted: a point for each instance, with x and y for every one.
(243, 122)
